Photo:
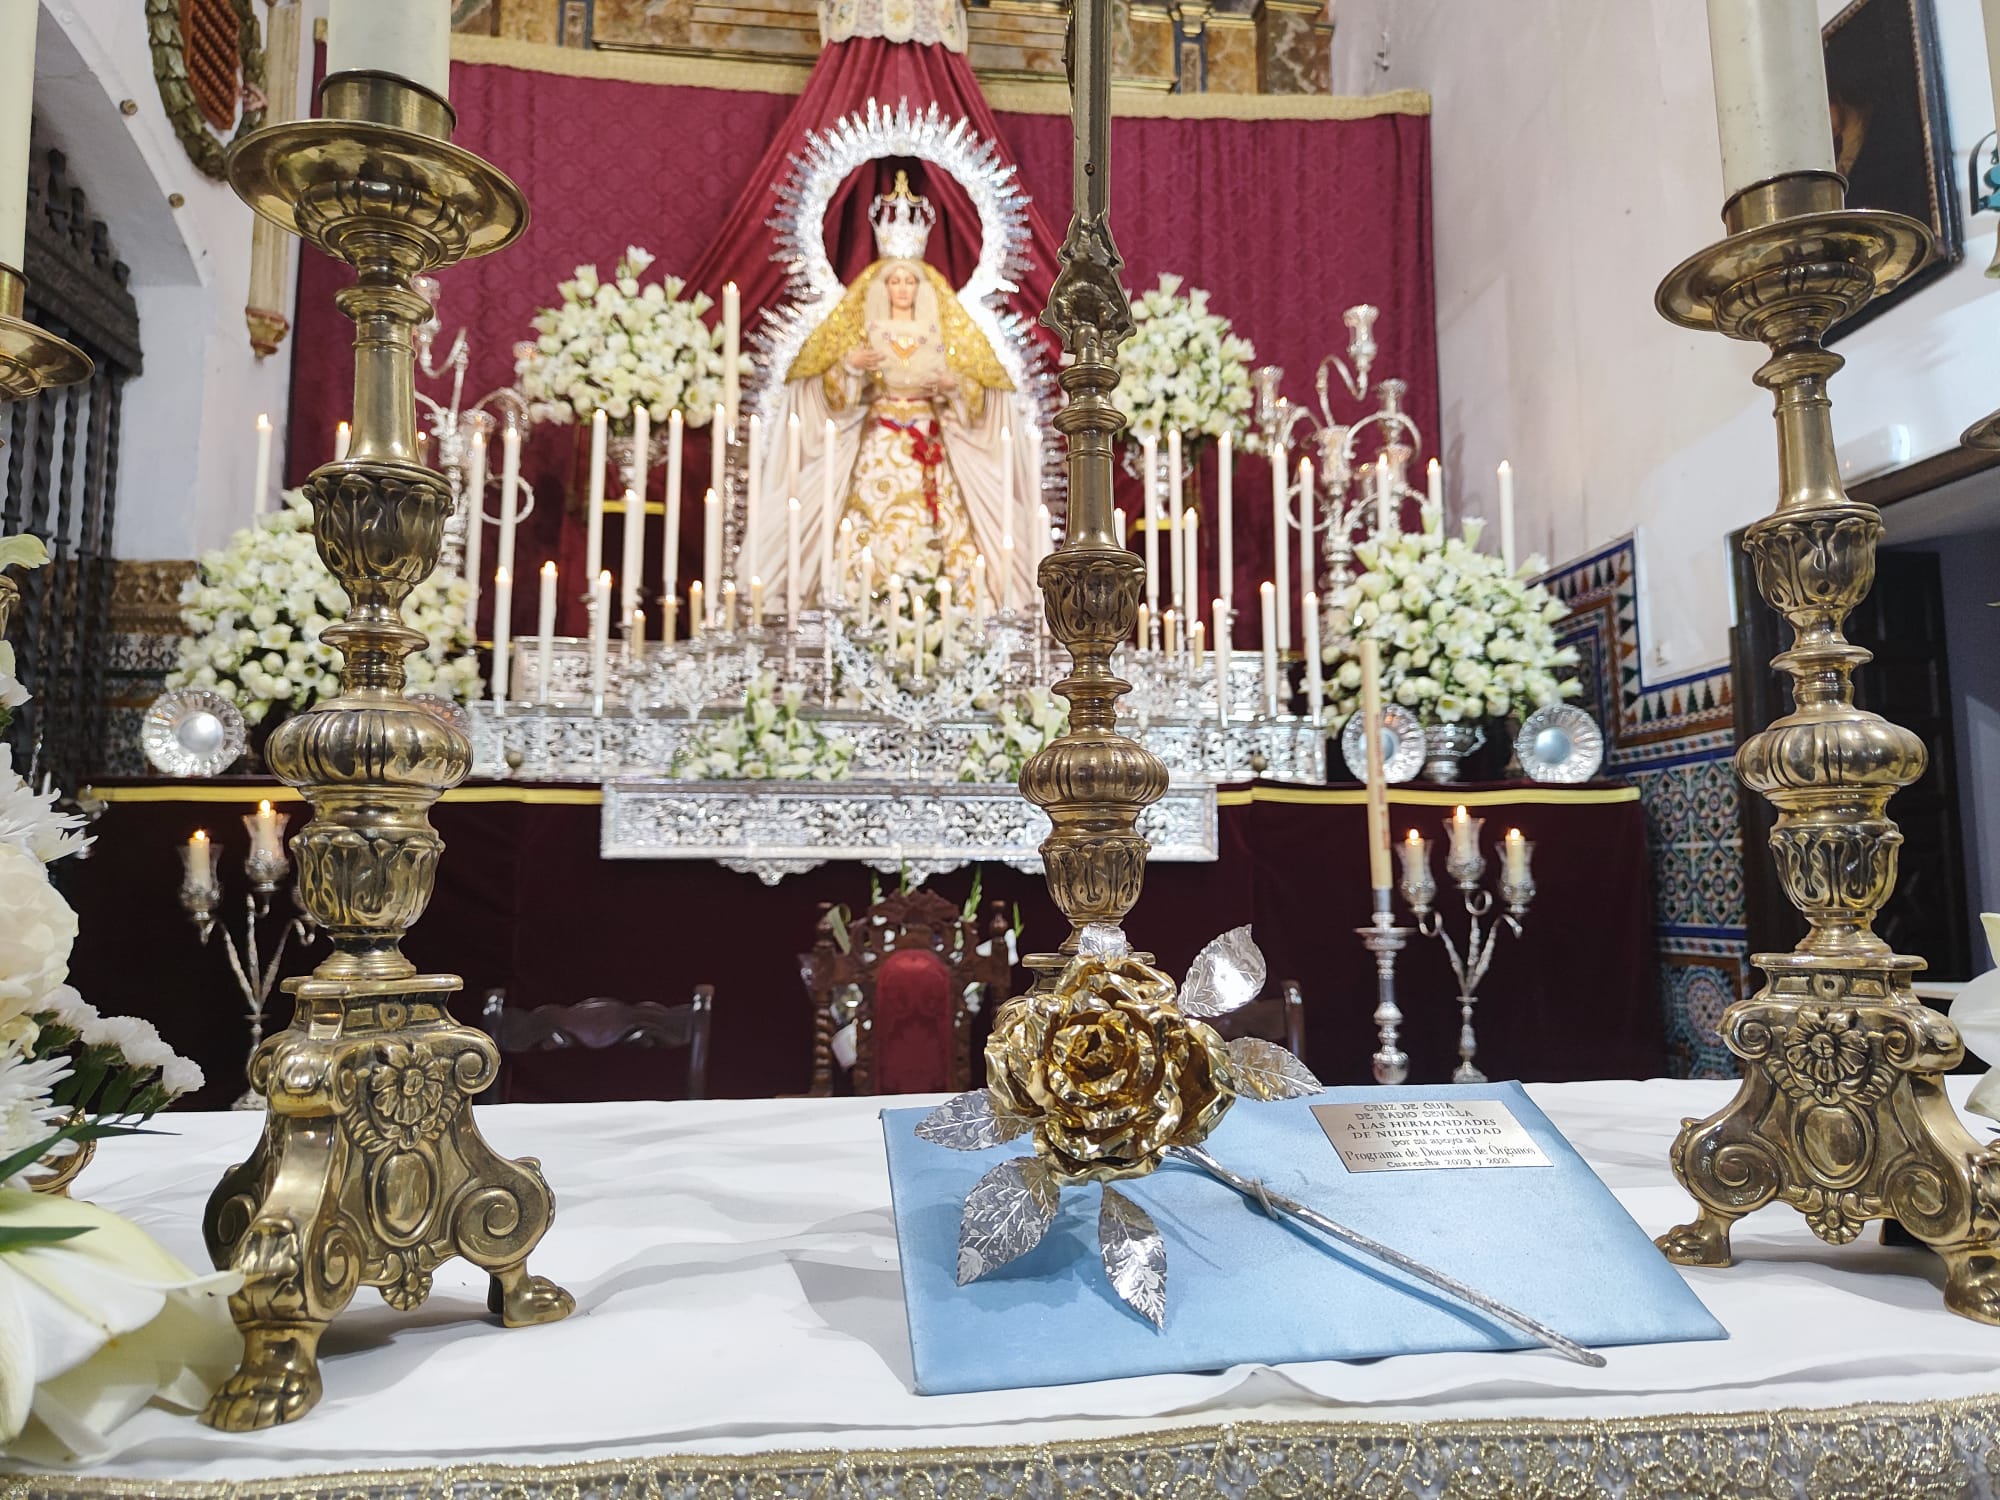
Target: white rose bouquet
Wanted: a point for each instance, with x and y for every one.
(617, 345)
(1461, 637)
(769, 741)
(255, 611)
(1024, 725)
(1183, 369)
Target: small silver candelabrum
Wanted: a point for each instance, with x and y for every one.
(268, 869)
(1465, 863)
(1385, 940)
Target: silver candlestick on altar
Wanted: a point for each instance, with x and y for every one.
(1466, 865)
(268, 868)
(1385, 940)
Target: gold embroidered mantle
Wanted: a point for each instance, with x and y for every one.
(967, 350)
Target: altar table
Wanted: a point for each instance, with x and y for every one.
(739, 1330)
(524, 902)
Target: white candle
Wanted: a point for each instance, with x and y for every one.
(593, 533)
(1149, 454)
(732, 353)
(635, 637)
(410, 40)
(200, 858)
(697, 610)
(1315, 682)
(1378, 786)
(600, 639)
(1514, 850)
(1505, 473)
(729, 606)
(1385, 499)
(1177, 550)
(545, 629)
(1308, 514)
(267, 831)
(510, 493)
(676, 434)
(711, 550)
(1268, 597)
(1770, 90)
(642, 448)
(343, 437)
(1434, 486)
(1225, 516)
(792, 563)
(1197, 633)
(1170, 632)
(917, 621)
(1191, 559)
(474, 501)
(867, 580)
(981, 589)
(1145, 619)
(718, 457)
(1223, 649)
(756, 620)
(260, 494)
(631, 559)
(17, 92)
(1007, 503)
(830, 519)
(1464, 835)
(1281, 531)
(1118, 526)
(753, 495)
(503, 631)
(944, 620)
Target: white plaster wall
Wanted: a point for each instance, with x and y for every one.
(1574, 163)
(188, 446)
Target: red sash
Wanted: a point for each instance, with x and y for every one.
(928, 451)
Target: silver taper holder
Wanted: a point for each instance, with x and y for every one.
(1467, 867)
(1385, 940)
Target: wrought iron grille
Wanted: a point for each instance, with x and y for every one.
(59, 479)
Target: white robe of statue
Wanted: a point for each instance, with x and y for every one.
(919, 404)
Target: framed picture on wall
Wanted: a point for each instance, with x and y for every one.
(1890, 136)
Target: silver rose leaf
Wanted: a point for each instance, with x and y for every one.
(1135, 1257)
(1006, 1214)
(1225, 976)
(1264, 1070)
(968, 1123)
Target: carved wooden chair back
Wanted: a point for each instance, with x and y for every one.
(1279, 1018)
(602, 1024)
(911, 974)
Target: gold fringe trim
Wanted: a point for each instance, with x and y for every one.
(1877, 1448)
(1312, 796)
(1011, 96)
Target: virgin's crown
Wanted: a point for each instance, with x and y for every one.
(902, 221)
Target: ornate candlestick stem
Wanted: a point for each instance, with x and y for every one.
(1842, 1111)
(1093, 782)
(370, 1171)
(1383, 938)
(32, 359)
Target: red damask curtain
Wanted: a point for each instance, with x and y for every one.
(1286, 222)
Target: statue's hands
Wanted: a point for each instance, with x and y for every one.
(945, 385)
(865, 359)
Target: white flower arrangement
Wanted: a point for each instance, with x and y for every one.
(617, 345)
(769, 741)
(255, 613)
(15, 552)
(1461, 637)
(1024, 725)
(1183, 369)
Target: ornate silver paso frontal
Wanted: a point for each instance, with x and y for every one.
(953, 147)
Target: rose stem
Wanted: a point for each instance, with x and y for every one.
(1277, 1203)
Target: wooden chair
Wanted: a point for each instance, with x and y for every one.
(600, 1025)
(912, 976)
(1279, 1018)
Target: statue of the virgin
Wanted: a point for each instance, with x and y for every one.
(921, 410)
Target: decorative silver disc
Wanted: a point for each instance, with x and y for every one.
(448, 710)
(192, 732)
(1559, 743)
(1402, 744)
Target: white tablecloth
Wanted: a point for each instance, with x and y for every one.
(735, 1272)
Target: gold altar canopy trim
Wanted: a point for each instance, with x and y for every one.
(1009, 96)
(1916, 1448)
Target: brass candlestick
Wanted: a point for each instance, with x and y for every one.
(1093, 782)
(1842, 1111)
(370, 1171)
(32, 359)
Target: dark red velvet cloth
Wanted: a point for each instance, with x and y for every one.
(524, 902)
(913, 1008)
(1285, 222)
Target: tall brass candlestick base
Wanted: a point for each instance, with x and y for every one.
(32, 359)
(1842, 1111)
(370, 1171)
(1093, 782)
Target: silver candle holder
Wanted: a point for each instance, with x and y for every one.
(1465, 863)
(1383, 938)
(267, 868)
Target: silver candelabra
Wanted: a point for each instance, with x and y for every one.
(1465, 863)
(268, 869)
